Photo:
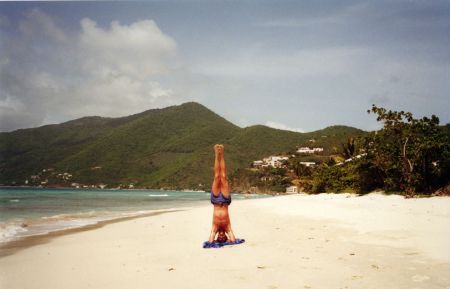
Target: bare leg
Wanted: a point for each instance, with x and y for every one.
(217, 180)
(225, 188)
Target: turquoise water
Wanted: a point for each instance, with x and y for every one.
(33, 211)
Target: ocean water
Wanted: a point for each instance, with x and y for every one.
(35, 211)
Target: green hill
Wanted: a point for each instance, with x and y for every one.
(170, 147)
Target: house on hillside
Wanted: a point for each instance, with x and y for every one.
(271, 161)
(258, 164)
(307, 150)
(275, 161)
(308, 164)
(292, 190)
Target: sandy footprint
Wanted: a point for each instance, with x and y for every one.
(420, 278)
(356, 277)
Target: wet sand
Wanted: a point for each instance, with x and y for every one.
(9, 248)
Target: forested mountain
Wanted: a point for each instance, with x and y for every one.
(170, 148)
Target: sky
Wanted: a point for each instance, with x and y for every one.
(299, 65)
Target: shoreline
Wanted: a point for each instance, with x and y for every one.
(271, 193)
(60, 210)
(13, 246)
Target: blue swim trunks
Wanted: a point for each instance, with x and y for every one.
(220, 199)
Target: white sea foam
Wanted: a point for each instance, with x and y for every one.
(9, 231)
(146, 212)
(14, 201)
(72, 215)
(158, 195)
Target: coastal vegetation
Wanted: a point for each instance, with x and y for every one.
(407, 155)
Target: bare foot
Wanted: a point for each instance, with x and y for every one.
(218, 149)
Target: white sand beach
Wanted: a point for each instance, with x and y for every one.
(296, 241)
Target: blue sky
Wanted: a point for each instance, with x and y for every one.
(298, 65)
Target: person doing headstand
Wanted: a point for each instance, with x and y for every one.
(221, 199)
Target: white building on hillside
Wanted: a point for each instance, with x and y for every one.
(292, 190)
(308, 164)
(272, 161)
(275, 161)
(258, 164)
(307, 150)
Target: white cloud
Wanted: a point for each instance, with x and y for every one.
(53, 75)
(278, 125)
(139, 50)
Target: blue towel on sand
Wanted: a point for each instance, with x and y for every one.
(219, 245)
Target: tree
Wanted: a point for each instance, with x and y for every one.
(410, 154)
(348, 149)
(299, 169)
